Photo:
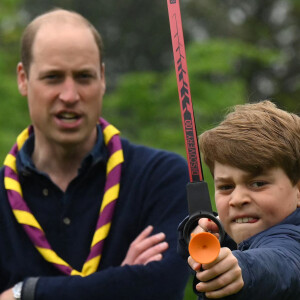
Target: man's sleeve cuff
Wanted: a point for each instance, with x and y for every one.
(29, 286)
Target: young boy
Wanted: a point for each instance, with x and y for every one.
(254, 157)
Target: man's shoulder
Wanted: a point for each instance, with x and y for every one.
(148, 153)
(1, 176)
(149, 162)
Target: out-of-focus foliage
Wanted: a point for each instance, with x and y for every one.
(151, 98)
(13, 111)
(274, 24)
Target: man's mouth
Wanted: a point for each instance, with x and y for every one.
(68, 117)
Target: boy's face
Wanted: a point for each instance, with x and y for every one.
(248, 205)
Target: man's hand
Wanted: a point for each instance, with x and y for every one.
(7, 295)
(145, 248)
(221, 278)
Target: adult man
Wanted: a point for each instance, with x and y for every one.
(57, 174)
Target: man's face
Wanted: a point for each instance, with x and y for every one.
(65, 85)
(248, 205)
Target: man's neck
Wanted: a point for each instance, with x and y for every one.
(61, 163)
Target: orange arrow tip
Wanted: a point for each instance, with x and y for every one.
(204, 247)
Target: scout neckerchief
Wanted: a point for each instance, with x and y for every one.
(31, 225)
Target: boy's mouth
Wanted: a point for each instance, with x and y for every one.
(245, 220)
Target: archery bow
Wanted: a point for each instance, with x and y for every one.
(197, 190)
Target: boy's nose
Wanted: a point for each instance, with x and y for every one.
(239, 197)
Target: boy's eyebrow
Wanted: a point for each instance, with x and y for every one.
(245, 177)
(221, 179)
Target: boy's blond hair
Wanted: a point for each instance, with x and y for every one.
(254, 138)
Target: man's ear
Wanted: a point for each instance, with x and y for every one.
(103, 80)
(22, 79)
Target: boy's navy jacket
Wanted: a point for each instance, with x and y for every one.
(270, 262)
(152, 192)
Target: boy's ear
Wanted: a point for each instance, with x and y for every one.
(298, 194)
(22, 79)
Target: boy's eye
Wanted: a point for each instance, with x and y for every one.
(225, 187)
(258, 184)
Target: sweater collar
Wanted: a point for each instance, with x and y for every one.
(98, 154)
(293, 218)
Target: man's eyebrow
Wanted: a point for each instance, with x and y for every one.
(50, 71)
(85, 70)
(45, 73)
(61, 72)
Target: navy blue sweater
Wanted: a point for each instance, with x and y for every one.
(152, 192)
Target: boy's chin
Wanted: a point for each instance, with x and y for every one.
(241, 235)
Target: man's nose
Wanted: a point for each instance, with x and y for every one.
(69, 92)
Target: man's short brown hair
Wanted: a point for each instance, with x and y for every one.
(57, 14)
(254, 138)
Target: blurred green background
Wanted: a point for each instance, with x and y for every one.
(238, 51)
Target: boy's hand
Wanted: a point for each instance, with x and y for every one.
(146, 248)
(206, 225)
(221, 278)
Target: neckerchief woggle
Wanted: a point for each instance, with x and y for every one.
(31, 226)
